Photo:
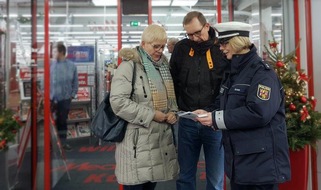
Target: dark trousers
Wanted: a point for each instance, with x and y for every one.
(61, 109)
(235, 186)
(144, 186)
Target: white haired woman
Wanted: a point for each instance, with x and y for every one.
(147, 154)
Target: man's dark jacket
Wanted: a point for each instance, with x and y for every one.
(196, 85)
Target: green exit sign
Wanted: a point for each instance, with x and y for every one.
(134, 23)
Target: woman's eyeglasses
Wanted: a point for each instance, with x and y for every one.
(197, 33)
(158, 47)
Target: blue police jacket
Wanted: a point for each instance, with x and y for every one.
(252, 116)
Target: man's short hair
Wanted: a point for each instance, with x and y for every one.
(60, 47)
(189, 17)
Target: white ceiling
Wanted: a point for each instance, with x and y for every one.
(81, 22)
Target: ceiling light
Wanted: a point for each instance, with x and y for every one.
(94, 15)
(276, 14)
(184, 2)
(161, 2)
(105, 2)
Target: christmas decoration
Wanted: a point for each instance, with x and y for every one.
(8, 128)
(303, 122)
(303, 99)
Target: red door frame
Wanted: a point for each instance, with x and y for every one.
(47, 155)
(309, 52)
(34, 130)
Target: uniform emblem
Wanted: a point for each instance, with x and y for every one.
(263, 92)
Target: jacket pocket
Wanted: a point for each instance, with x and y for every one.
(253, 161)
(244, 148)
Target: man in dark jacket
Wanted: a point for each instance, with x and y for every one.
(251, 115)
(196, 68)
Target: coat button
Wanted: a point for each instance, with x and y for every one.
(166, 153)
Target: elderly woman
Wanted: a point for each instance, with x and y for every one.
(147, 154)
(250, 112)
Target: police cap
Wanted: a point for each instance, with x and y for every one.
(228, 30)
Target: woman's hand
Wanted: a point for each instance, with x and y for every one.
(204, 120)
(199, 111)
(171, 118)
(160, 116)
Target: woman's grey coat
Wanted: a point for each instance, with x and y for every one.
(147, 152)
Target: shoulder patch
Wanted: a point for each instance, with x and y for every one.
(263, 92)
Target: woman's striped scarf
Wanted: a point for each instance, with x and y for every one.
(160, 81)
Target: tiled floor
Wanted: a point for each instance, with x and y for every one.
(90, 167)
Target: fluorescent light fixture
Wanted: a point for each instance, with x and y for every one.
(57, 15)
(86, 37)
(161, 2)
(135, 32)
(12, 15)
(184, 2)
(66, 25)
(178, 14)
(209, 14)
(53, 25)
(29, 16)
(78, 32)
(175, 32)
(276, 14)
(180, 24)
(109, 37)
(105, 2)
(132, 36)
(159, 14)
(94, 15)
(75, 43)
(93, 32)
(100, 25)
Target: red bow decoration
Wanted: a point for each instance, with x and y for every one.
(304, 114)
(273, 44)
(3, 144)
(302, 76)
(313, 102)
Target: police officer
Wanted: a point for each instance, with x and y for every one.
(250, 112)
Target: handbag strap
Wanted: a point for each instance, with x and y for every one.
(133, 80)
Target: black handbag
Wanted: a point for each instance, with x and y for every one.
(106, 125)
